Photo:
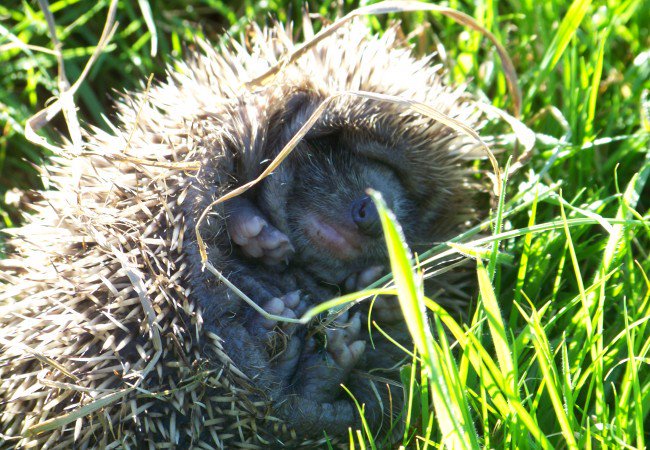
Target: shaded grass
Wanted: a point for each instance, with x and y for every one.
(556, 352)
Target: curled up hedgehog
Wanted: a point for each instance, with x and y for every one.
(113, 335)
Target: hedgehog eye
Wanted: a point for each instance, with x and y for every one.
(387, 166)
(381, 162)
(384, 155)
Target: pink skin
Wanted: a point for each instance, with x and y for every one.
(254, 235)
(343, 241)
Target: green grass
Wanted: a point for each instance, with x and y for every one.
(557, 352)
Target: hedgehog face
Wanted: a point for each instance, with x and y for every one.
(318, 197)
(328, 216)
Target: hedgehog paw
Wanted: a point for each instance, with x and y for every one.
(387, 310)
(254, 234)
(342, 344)
(322, 372)
(361, 280)
(290, 306)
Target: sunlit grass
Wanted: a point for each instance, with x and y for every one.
(555, 353)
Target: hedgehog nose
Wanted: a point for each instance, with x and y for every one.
(365, 215)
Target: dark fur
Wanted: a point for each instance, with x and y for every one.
(346, 153)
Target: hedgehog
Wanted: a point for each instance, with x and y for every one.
(113, 334)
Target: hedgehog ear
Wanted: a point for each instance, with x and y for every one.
(293, 114)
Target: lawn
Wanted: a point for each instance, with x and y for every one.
(555, 352)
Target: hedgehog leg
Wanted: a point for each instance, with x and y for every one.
(383, 406)
(309, 418)
(318, 404)
(245, 353)
(383, 400)
(313, 406)
(249, 229)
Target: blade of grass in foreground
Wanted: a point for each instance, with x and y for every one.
(613, 252)
(497, 388)
(496, 326)
(450, 404)
(552, 380)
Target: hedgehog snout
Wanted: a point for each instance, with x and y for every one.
(365, 216)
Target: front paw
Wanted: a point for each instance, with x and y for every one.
(249, 229)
